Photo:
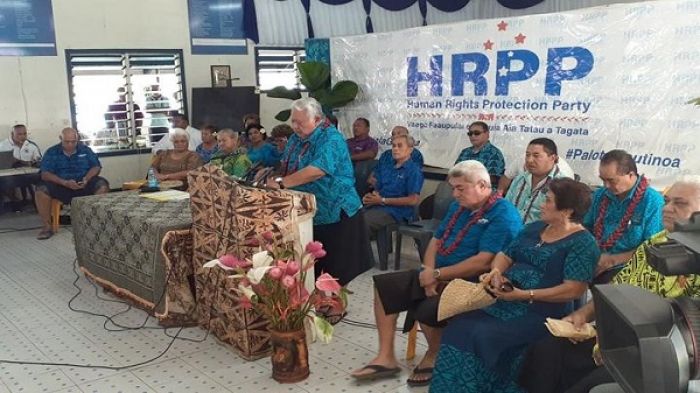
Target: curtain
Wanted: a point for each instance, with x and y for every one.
(394, 5)
(448, 5)
(281, 22)
(284, 22)
(519, 4)
(386, 20)
(437, 16)
(337, 20)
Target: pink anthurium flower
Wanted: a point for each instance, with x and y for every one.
(326, 283)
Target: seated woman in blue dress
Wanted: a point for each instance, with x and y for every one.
(259, 151)
(546, 267)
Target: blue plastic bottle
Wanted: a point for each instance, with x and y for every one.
(152, 180)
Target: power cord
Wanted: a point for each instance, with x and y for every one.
(77, 277)
(363, 325)
(13, 230)
(110, 319)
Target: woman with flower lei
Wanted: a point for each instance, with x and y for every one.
(477, 226)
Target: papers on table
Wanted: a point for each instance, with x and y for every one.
(164, 196)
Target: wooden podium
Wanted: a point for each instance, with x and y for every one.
(225, 216)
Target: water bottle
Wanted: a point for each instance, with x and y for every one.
(152, 180)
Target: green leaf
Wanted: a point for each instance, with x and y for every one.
(694, 101)
(284, 115)
(314, 75)
(283, 92)
(324, 330)
(321, 95)
(341, 94)
(344, 297)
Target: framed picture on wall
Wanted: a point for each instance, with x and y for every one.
(220, 76)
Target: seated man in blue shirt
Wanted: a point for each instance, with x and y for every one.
(416, 155)
(68, 169)
(397, 188)
(625, 212)
(483, 151)
(477, 226)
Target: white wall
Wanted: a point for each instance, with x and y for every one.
(34, 90)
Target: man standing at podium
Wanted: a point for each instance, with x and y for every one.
(316, 160)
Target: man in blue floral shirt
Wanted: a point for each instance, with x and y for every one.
(483, 151)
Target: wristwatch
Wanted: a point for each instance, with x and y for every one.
(279, 181)
(436, 273)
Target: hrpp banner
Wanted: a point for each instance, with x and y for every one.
(592, 80)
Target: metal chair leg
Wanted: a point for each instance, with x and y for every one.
(397, 252)
(382, 249)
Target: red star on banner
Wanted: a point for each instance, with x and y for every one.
(520, 38)
(502, 26)
(488, 45)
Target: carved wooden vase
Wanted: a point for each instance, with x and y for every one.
(290, 356)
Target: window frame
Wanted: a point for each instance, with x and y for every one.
(71, 53)
(298, 85)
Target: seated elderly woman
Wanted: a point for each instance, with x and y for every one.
(477, 226)
(173, 164)
(556, 365)
(397, 188)
(231, 158)
(260, 151)
(538, 275)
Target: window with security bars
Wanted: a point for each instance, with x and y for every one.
(278, 67)
(122, 100)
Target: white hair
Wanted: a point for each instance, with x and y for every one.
(227, 131)
(175, 132)
(689, 180)
(409, 139)
(471, 170)
(308, 105)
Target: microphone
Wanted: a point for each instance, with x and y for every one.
(249, 175)
(262, 179)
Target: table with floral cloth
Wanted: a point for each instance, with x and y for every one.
(118, 244)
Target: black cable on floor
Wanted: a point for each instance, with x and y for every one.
(122, 328)
(364, 325)
(13, 230)
(109, 318)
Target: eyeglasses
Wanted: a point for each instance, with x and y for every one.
(474, 133)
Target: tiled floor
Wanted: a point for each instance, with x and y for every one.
(36, 325)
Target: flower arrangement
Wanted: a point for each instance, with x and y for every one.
(272, 283)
